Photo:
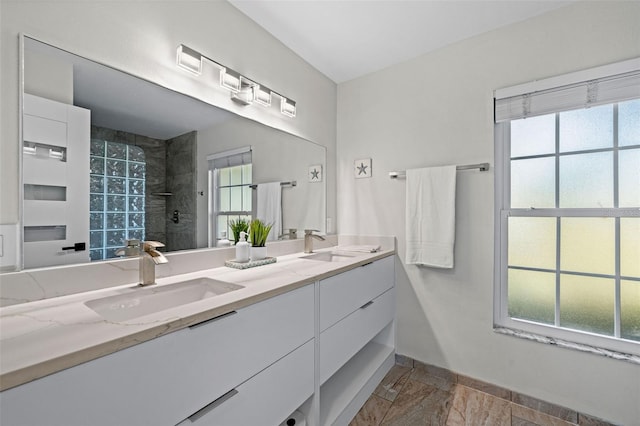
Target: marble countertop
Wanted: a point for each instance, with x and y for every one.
(43, 337)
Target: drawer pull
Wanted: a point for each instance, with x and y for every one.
(212, 406)
(366, 305)
(366, 264)
(219, 317)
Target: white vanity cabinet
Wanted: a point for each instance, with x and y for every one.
(357, 348)
(251, 351)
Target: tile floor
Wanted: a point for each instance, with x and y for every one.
(419, 395)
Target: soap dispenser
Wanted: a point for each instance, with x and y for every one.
(242, 248)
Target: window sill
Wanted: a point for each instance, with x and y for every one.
(634, 359)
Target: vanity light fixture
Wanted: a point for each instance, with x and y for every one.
(243, 90)
(247, 93)
(230, 79)
(190, 60)
(287, 107)
(263, 96)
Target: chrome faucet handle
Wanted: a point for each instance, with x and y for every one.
(310, 231)
(151, 245)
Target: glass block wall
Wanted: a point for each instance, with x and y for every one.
(117, 192)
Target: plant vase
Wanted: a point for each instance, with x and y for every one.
(258, 253)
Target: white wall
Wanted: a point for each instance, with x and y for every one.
(437, 110)
(141, 38)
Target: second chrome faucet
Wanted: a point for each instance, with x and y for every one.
(308, 239)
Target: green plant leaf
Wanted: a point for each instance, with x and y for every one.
(258, 232)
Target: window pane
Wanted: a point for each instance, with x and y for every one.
(630, 309)
(629, 123)
(225, 199)
(533, 183)
(116, 203)
(116, 185)
(236, 175)
(136, 153)
(97, 148)
(587, 303)
(629, 177)
(587, 244)
(247, 193)
(586, 180)
(116, 221)
(533, 136)
(225, 177)
(236, 198)
(630, 247)
(586, 128)
(246, 174)
(532, 295)
(117, 150)
(532, 242)
(116, 168)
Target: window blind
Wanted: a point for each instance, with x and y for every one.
(231, 158)
(584, 94)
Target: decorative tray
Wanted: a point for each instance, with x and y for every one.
(250, 264)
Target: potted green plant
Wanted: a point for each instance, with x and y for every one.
(238, 226)
(258, 233)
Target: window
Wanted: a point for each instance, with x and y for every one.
(568, 206)
(116, 199)
(230, 177)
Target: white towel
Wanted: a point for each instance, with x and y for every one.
(269, 209)
(431, 212)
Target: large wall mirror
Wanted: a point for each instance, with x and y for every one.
(108, 157)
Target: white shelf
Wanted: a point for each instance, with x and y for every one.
(356, 380)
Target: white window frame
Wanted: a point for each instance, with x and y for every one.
(230, 158)
(554, 334)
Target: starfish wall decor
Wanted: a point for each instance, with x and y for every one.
(362, 168)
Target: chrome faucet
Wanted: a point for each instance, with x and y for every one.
(292, 234)
(308, 239)
(149, 258)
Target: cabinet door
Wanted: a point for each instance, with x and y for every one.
(164, 380)
(344, 339)
(342, 294)
(265, 399)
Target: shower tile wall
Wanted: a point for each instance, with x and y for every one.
(155, 154)
(181, 169)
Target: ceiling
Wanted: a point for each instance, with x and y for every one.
(345, 39)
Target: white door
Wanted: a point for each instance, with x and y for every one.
(56, 183)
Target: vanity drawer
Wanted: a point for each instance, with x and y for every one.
(164, 380)
(265, 399)
(344, 339)
(342, 294)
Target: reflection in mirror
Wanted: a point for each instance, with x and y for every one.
(148, 163)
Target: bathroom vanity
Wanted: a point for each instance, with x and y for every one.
(313, 334)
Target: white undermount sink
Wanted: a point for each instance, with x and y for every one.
(138, 302)
(329, 256)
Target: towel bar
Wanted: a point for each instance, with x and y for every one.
(482, 166)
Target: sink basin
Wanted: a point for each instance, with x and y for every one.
(138, 302)
(329, 256)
